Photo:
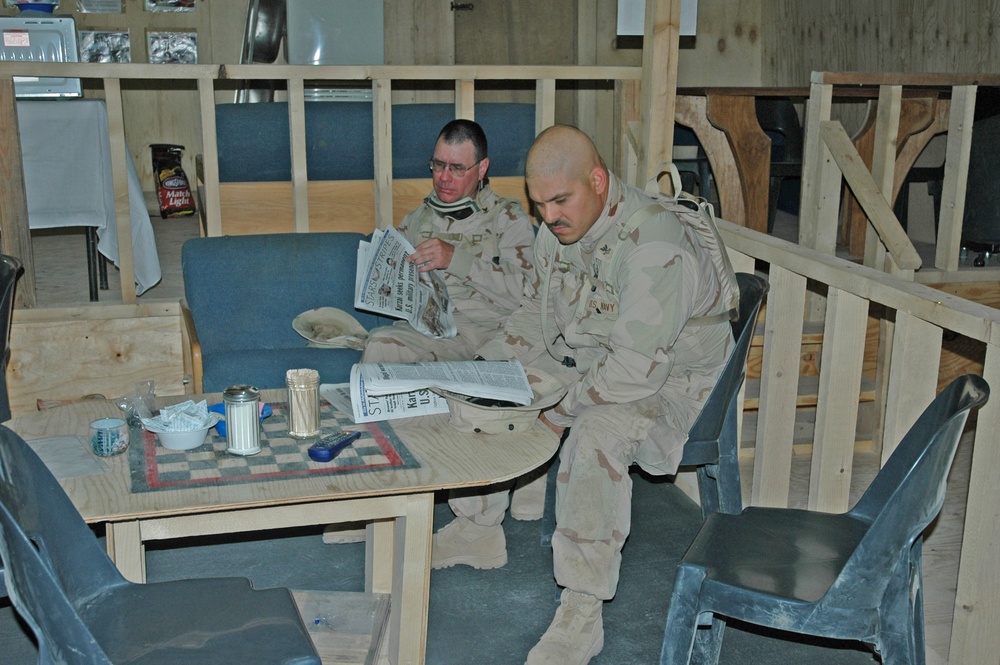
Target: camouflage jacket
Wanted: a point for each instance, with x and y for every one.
(615, 306)
(493, 255)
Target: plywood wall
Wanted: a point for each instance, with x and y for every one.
(888, 36)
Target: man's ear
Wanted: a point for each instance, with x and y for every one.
(599, 180)
(483, 167)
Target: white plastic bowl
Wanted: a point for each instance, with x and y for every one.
(181, 440)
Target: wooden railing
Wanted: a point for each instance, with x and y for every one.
(922, 315)
(900, 135)
(210, 80)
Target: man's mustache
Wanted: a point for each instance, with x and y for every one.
(558, 222)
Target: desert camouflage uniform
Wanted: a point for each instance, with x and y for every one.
(493, 259)
(617, 306)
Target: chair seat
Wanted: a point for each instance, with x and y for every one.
(799, 560)
(853, 576)
(221, 620)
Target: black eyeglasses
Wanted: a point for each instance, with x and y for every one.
(457, 170)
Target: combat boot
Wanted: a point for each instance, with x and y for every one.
(467, 543)
(575, 635)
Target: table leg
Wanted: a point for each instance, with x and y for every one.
(126, 549)
(411, 580)
(102, 271)
(379, 556)
(92, 269)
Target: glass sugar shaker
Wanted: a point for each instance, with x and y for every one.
(242, 404)
(303, 403)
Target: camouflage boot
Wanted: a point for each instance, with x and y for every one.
(467, 543)
(575, 635)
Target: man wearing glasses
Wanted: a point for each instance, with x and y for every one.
(479, 241)
(482, 244)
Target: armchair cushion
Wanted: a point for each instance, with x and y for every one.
(244, 291)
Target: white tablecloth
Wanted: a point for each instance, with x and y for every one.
(67, 178)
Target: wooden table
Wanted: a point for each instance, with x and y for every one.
(400, 501)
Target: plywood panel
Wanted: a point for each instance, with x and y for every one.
(60, 354)
(728, 47)
(889, 36)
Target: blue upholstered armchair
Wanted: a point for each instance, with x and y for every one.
(241, 295)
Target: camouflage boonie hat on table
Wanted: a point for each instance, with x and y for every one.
(331, 328)
(468, 416)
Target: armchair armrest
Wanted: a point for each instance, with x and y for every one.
(191, 352)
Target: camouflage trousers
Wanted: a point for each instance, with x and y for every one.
(593, 496)
(401, 343)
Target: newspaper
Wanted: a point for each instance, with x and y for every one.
(503, 380)
(384, 391)
(370, 408)
(389, 285)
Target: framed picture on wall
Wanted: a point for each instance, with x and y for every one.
(100, 7)
(175, 48)
(105, 46)
(170, 5)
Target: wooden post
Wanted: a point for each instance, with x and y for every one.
(15, 235)
(545, 104)
(956, 173)
(659, 84)
(300, 176)
(465, 99)
(977, 598)
(382, 124)
(210, 152)
(119, 179)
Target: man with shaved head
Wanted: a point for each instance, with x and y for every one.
(628, 309)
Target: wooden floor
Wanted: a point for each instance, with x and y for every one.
(62, 281)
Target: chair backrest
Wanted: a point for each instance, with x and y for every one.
(778, 116)
(52, 560)
(907, 493)
(708, 426)
(10, 270)
(244, 291)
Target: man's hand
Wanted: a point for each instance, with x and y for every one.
(432, 254)
(555, 428)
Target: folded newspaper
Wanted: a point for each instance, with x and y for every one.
(387, 284)
(370, 408)
(385, 391)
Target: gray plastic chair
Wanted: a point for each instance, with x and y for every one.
(712, 445)
(82, 610)
(10, 270)
(851, 576)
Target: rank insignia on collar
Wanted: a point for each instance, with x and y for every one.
(605, 250)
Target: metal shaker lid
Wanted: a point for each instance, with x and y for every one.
(241, 393)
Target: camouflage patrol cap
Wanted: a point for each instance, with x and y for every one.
(468, 416)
